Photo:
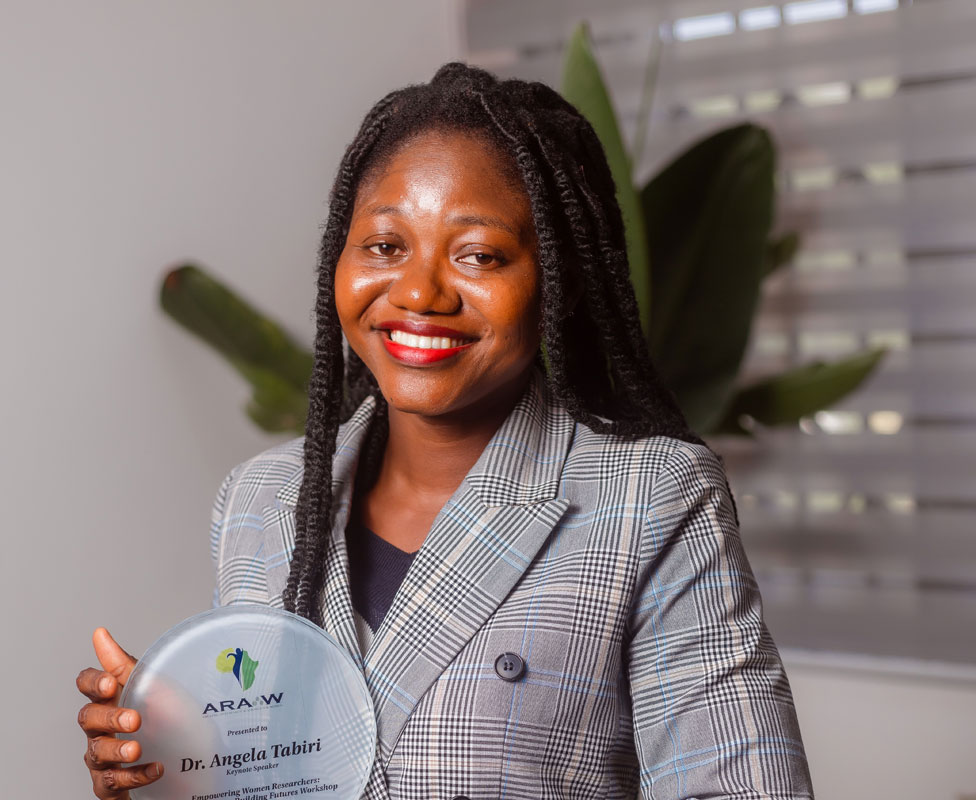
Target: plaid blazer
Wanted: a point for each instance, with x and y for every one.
(612, 568)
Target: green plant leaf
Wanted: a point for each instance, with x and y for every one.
(251, 341)
(225, 321)
(707, 217)
(784, 399)
(276, 366)
(780, 251)
(584, 87)
(275, 405)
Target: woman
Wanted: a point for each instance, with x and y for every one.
(516, 534)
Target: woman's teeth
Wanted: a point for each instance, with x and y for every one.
(425, 342)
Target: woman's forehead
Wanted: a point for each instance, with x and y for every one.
(423, 147)
(446, 172)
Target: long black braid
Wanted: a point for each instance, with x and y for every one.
(596, 356)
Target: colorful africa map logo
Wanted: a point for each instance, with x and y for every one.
(240, 663)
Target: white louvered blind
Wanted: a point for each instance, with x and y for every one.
(861, 522)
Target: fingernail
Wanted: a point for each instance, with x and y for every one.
(128, 720)
(128, 751)
(105, 685)
(155, 770)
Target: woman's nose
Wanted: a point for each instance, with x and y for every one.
(424, 287)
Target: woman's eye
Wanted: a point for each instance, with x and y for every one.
(386, 249)
(480, 259)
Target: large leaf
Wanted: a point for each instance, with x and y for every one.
(781, 251)
(584, 87)
(277, 367)
(707, 217)
(786, 398)
(275, 406)
(228, 323)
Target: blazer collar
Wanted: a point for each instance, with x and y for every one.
(348, 443)
(522, 463)
(337, 603)
(486, 536)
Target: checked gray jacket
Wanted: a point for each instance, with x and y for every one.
(613, 568)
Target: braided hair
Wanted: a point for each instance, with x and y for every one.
(595, 354)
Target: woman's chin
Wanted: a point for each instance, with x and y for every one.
(468, 393)
(422, 404)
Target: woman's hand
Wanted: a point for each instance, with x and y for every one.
(101, 719)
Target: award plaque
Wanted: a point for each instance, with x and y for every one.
(249, 701)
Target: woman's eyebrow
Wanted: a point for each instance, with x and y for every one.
(376, 211)
(481, 220)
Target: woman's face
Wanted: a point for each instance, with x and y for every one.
(437, 287)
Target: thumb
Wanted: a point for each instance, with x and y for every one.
(113, 658)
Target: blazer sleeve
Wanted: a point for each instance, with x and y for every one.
(713, 714)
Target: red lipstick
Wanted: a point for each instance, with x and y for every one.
(422, 356)
(421, 329)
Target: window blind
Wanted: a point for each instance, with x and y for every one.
(860, 522)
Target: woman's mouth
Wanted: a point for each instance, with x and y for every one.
(426, 342)
(419, 350)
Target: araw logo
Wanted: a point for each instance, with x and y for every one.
(235, 660)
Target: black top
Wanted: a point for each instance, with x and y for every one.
(376, 570)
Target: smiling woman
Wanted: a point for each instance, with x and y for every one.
(497, 508)
(442, 247)
(437, 292)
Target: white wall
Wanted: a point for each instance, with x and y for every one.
(136, 134)
(871, 732)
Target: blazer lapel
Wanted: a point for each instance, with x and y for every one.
(337, 611)
(337, 602)
(480, 544)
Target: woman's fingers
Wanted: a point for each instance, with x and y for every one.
(97, 685)
(107, 751)
(96, 718)
(114, 784)
(114, 659)
(101, 720)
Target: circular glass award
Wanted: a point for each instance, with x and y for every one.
(251, 701)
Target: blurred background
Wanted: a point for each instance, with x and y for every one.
(137, 135)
